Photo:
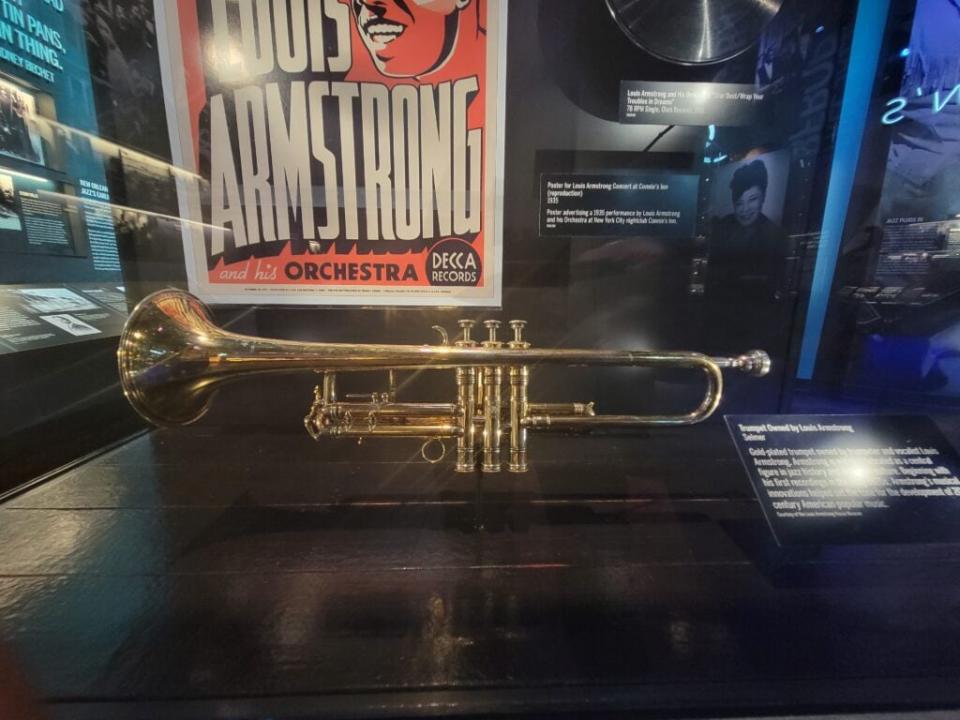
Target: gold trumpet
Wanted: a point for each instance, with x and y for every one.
(173, 358)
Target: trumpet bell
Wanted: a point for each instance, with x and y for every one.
(162, 355)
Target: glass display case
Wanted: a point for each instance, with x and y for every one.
(377, 358)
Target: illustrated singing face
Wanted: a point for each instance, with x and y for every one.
(749, 206)
(408, 38)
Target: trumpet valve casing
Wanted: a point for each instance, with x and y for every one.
(466, 378)
(492, 405)
(519, 402)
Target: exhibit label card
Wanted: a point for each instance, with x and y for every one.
(696, 104)
(845, 479)
(648, 204)
(40, 316)
(338, 152)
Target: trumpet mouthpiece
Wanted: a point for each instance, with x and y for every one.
(755, 363)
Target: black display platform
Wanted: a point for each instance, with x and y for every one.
(201, 574)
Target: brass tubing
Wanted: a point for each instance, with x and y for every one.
(392, 385)
(202, 347)
(711, 401)
(466, 407)
(562, 409)
(492, 402)
(330, 387)
(388, 410)
(519, 385)
(398, 420)
(360, 430)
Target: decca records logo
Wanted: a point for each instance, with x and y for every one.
(454, 262)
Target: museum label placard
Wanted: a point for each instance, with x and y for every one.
(848, 479)
(618, 205)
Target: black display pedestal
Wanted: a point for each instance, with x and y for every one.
(204, 574)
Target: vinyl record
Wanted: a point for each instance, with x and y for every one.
(694, 32)
(587, 55)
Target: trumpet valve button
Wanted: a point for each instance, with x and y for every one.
(467, 327)
(517, 326)
(492, 326)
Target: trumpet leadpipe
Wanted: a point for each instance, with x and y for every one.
(427, 430)
(392, 411)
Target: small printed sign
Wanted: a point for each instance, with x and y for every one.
(40, 316)
(695, 104)
(849, 479)
(618, 205)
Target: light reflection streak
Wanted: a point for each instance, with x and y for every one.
(116, 149)
(769, 6)
(706, 44)
(75, 199)
(35, 178)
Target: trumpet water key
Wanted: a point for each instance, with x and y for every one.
(172, 359)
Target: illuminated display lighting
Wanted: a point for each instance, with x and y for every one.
(35, 178)
(711, 138)
(864, 58)
(96, 140)
(13, 87)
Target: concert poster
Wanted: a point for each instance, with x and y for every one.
(338, 152)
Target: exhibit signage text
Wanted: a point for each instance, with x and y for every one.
(28, 42)
(827, 479)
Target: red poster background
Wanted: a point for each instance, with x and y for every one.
(468, 58)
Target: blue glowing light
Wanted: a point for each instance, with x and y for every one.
(864, 56)
(820, 29)
(905, 52)
(711, 137)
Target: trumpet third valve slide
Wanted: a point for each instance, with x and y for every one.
(172, 359)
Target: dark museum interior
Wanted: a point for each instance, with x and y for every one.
(479, 358)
